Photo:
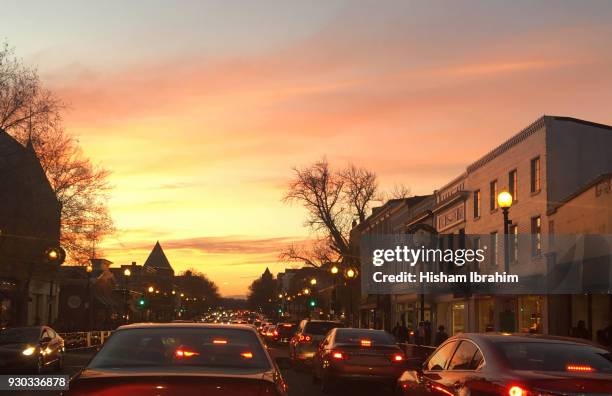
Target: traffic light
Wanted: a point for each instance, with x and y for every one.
(312, 303)
(142, 302)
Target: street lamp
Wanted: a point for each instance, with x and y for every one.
(504, 201)
(89, 270)
(127, 272)
(151, 289)
(313, 281)
(280, 295)
(306, 291)
(350, 273)
(334, 270)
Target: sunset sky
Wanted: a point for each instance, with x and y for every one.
(201, 108)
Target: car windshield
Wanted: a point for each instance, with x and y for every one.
(181, 347)
(19, 335)
(551, 356)
(320, 328)
(375, 337)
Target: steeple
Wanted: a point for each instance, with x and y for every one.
(157, 259)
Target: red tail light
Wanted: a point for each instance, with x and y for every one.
(180, 353)
(365, 343)
(275, 332)
(337, 355)
(517, 391)
(398, 358)
(247, 355)
(579, 368)
(303, 338)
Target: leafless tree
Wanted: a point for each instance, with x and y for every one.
(333, 200)
(29, 112)
(399, 191)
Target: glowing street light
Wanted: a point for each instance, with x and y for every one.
(334, 270)
(89, 268)
(127, 272)
(280, 295)
(306, 291)
(351, 273)
(313, 281)
(151, 289)
(504, 200)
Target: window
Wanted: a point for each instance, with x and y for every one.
(536, 236)
(493, 194)
(513, 242)
(535, 175)
(438, 360)
(513, 185)
(476, 204)
(466, 357)
(493, 249)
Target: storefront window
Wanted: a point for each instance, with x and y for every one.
(486, 315)
(530, 314)
(458, 318)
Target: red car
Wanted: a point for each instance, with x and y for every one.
(511, 365)
(181, 359)
(357, 354)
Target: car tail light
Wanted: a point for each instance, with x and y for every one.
(303, 338)
(180, 353)
(398, 357)
(275, 332)
(219, 342)
(247, 355)
(517, 391)
(365, 343)
(579, 368)
(337, 355)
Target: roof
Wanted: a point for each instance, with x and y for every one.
(157, 258)
(523, 337)
(522, 135)
(185, 325)
(583, 188)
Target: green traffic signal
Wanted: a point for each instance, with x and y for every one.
(142, 302)
(312, 303)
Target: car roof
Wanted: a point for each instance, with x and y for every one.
(321, 321)
(193, 325)
(523, 337)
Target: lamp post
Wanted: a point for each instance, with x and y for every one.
(350, 274)
(89, 270)
(504, 201)
(127, 273)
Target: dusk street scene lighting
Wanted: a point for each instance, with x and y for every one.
(306, 198)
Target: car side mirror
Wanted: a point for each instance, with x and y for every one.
(283, 363)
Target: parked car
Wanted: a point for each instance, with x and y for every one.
(34, 349)
(305, 342)
(357, 354)
(511, 365)
(181, 359)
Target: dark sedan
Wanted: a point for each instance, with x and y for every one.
(33, 349)
(357, 354)
(511, 365)
(181, 359)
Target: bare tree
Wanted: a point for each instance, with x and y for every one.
(333, 201)
(31, 113)
(399, 191)
(360, 189)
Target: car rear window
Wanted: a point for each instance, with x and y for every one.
(182, 347)
(550, 356)
(286, 328)
(356, 336)
(320, 328)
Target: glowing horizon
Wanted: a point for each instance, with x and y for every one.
(201, 110)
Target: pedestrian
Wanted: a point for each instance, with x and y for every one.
(403, 332)
(395, 331)
(580, 331)
(441, 335)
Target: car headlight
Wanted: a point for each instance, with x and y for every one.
(28, 351)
